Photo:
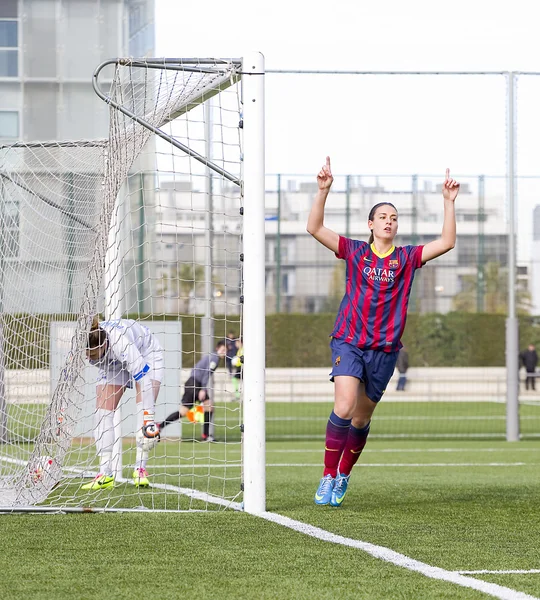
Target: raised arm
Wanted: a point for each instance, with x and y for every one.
(448, 236)
(315, 224)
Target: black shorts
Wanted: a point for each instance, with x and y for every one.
(192, 387)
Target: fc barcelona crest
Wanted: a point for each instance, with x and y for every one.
(393, 264)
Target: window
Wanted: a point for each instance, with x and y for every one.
(269, 282)
(281, 249)
(8, 34)
(9, 124)
(287, 284)
(9, 63)
(9, 53)
(269, 250)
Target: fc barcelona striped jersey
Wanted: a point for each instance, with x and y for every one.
(373, 311)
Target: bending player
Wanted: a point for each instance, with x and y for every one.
(196, 389)
(124, 351)
(370, 322)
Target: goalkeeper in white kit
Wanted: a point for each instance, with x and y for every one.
(124, 351)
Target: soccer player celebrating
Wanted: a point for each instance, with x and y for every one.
(196, 389)
(371, 319)
(124, 351)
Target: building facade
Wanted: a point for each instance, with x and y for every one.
(48, 52)
(49, 194)
(303, 276)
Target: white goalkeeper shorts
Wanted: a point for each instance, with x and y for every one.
(116, 375)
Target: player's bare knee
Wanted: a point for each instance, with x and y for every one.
(344, 407)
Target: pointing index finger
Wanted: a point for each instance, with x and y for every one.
(328, 163)
(447, 173)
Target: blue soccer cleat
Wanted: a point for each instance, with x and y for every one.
(340, 489)
(324, 491)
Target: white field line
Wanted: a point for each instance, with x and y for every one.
(380, 552)
(403, 450)
(194, 494)
(428, 465)
(237, 465)
(406, 436)
(505, 572)
(412, 418)
(319, 450)
(400, 560)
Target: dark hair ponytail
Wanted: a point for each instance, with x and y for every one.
(371, 216)
(97, 336)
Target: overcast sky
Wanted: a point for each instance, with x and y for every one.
(383, 125)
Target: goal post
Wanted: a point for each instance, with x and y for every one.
(163, 220)
(254, 287)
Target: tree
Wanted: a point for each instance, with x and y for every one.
(495, 292)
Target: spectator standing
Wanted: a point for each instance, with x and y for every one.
(529, 359)
(402, 366)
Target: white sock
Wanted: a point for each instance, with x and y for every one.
(147, 393)
(141, 458)
(104, 436)
(141, 453)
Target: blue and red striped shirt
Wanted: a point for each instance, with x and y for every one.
(373, 311)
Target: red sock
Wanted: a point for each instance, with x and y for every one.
(356, 440)
(337, 432)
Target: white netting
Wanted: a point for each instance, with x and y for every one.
(130, 227)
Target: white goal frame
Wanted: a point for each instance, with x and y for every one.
(253, 191)
(250, 179)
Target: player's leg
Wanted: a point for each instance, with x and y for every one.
(187, 402)
(108, 396)
(208, 405)
(356, 440)
(147, 393)
(379, 368)
(347, 373)
(144, 422)
(337, 431)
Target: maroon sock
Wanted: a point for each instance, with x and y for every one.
(337, 432)
(356, 440)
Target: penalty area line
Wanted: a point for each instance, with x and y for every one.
(379, 552)
(501, 572)
(400, 560)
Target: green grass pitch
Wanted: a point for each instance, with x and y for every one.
(455, 504)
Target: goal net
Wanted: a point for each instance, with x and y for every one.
(142, 235)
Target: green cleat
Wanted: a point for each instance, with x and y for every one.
(140, 478)
(100, 482)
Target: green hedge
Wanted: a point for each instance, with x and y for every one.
(435, 340)
(26, 338)
(301, 341)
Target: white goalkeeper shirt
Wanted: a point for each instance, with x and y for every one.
(132, 348)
